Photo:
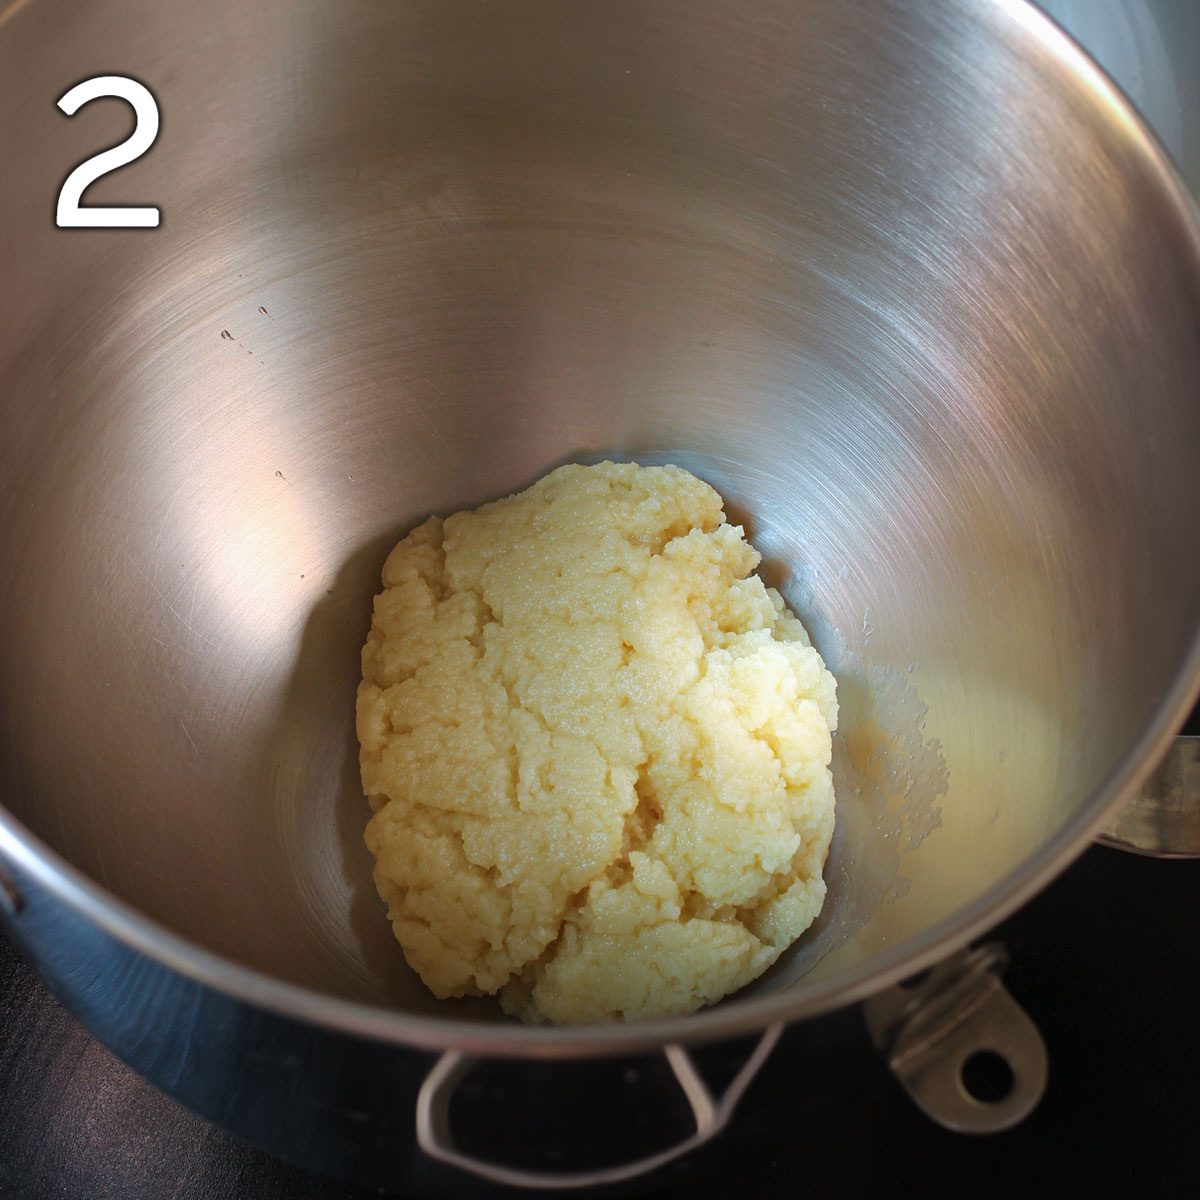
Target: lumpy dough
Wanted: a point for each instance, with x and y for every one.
(597, 749)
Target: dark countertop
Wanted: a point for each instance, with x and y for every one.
(1106, 961)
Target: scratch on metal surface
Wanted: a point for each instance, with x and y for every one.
(104, 876)
(192, 601)
(189, 737)
(187, 621)
(173, 880)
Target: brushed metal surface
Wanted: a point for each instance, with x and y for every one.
(906, 281)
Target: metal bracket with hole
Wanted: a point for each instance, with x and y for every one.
(934, 1032)
(1163, 818)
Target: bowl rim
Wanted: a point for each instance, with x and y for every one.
(32, 857)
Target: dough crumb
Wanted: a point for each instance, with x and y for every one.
(597, 750)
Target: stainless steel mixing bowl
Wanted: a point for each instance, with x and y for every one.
(906, 281)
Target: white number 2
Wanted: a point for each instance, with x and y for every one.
(145, 130)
